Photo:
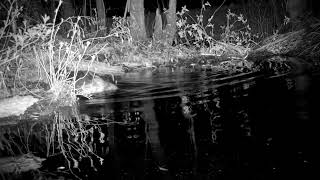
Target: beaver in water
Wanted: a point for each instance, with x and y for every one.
(90, 84)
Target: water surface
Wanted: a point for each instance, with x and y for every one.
(179, 123)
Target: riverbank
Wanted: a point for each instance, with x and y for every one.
(44, 71)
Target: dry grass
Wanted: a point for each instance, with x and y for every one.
(37, 54)
(312, 47)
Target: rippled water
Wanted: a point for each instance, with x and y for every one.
(198, 124)
(167, 82)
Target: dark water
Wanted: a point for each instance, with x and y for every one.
(198, 124)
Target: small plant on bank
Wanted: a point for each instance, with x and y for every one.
(237, 31)
(8, 54)
(121, 30)
(38, 53)
(235, 39)
(60, 61)
(195, 33)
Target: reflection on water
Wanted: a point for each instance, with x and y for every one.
(193, 124)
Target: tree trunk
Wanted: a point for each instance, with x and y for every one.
(171, 20)
(84, 8)
(158, 34)
(101, 13)
(298, 12)
(67, 9)
(278, 13)
(296, 8)
(138, 29)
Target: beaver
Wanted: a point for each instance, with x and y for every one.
(92, 84)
